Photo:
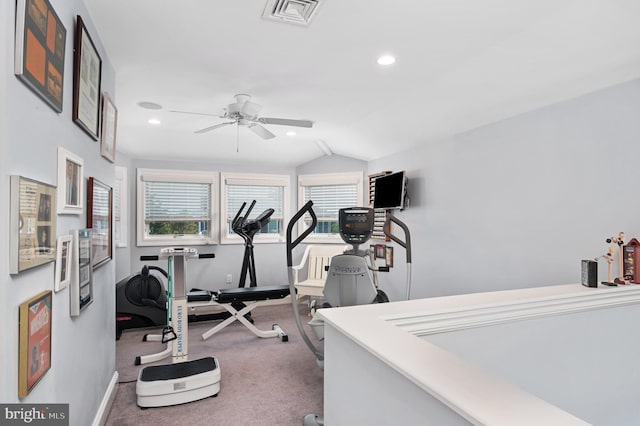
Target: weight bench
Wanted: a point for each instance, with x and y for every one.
(227, 297)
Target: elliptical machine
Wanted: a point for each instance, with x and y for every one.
(247, 229)
(349, 280)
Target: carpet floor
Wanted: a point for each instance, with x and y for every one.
(263, 381)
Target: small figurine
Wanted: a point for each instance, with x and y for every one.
(619, 240)
(608, 256)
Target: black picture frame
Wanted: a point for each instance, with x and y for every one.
(87, 77)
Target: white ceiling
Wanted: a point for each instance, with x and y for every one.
(460, 64)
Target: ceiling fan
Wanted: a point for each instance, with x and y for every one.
(243, 112)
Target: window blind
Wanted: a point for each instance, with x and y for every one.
(177, 201)
(266, 197)
(328, 199)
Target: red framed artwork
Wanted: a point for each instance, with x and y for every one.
(35, 341)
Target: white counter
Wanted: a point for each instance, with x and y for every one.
(430, 361)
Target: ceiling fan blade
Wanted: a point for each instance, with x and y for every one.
(261, 131)
(286, 122)
(195, 113)
(215, 126)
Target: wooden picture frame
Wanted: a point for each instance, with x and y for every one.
(81, 286)
(70, 183)
(87, 76)
(64, 249)
(34, 358)
(40, 49)
(99, 219)
(33, 224)
(109, 126)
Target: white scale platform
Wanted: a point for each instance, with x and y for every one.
(172, 384)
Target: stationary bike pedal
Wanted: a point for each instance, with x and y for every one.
(168, 334)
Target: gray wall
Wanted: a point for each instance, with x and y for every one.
(519, 203)
(83, 348)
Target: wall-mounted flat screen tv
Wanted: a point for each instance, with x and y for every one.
(390, 191)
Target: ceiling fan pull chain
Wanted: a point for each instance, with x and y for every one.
(238, 138)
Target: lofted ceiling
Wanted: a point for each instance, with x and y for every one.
(459, 64)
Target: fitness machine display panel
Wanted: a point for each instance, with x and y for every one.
(356, 224)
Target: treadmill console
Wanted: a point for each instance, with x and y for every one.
(356, 224)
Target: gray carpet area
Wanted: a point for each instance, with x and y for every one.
(263, 381)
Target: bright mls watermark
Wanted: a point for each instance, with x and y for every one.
(34, 414)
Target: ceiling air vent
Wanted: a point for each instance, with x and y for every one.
(297, 12)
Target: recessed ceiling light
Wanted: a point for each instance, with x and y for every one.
(291, 133)
(154, 121)
(386, 60)
(149, 105)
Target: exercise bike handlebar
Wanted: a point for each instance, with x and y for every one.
(314, 220)
(200, 256)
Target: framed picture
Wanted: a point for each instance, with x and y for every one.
(99, 219)
(39, 50)
(34, 359)
(63, 262)
(70, 183)
(109, 125)
(81, 286)
(87, 74)
(389, 257)
(33, 224)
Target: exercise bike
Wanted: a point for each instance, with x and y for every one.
(141, 300)
(350, 279)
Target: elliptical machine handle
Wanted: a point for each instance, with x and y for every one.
(314, 221)
(406, 244)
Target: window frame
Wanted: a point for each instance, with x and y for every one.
(343, 178)
(258, 179)
(168, 175)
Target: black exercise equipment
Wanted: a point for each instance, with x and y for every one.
(141, 301)
(247, 229)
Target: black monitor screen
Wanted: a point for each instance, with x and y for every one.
(389, 191)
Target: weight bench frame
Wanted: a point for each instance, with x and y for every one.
(225, 298)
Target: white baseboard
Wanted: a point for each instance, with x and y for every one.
(107, 401)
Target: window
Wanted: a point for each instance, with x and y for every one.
(175, 207)
(269, 191)
(329, 193)
(120, 219)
